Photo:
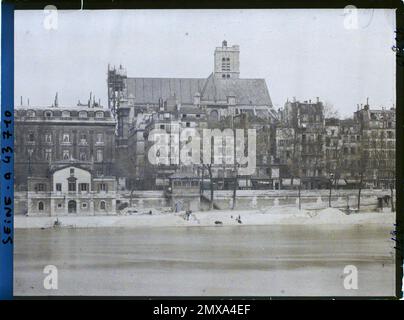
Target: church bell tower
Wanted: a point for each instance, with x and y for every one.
(227, 61)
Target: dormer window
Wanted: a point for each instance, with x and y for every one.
(82, 114)
(31, 113)
(99, 114)
(48, 114)
(65, 114)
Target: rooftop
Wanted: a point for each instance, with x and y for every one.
(245, 91)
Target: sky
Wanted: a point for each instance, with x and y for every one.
(340, 57)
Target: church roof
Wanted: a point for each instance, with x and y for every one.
(150, 90)
(246, 91)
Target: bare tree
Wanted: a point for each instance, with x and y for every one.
(330, 111)
(289, 150)
(363, 164)
(207, 167)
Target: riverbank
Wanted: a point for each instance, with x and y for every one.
(279, 216)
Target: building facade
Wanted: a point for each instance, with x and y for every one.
(71, 190)
(49, 135)
(353, 152)
(141, 104)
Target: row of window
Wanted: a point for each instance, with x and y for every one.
(382, 134)
(84, 205)
(186, 183)
(173, 127)
(83, 187)
(66, 138)
(66, 155)
(65, 114)
(72, 187)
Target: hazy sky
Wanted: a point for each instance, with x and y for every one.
(300, 53)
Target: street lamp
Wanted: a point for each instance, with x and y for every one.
(331, 181)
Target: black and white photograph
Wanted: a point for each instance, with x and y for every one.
(205, 153)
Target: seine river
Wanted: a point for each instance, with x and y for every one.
(206, 261)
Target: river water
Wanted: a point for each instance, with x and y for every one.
(206, 261)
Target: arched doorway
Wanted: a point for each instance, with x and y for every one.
(214, 115)
(72, 206)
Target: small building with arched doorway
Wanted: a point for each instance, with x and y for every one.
(71, 190)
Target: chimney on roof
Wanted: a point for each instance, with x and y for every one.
(318, 99)
(224, 43)
(21, 101)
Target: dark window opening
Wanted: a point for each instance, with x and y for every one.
(72, 186)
